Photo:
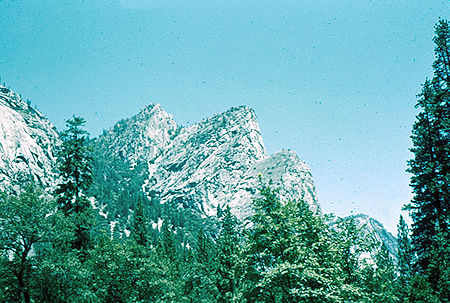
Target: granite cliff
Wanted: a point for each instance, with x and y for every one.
(28, 143)
(210, 164)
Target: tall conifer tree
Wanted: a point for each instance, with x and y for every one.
(167, 246)
(140, 233)
(431, 163)
(405, 260)
(75, 166)
(227, 243)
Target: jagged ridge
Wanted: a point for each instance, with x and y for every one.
(209, 164)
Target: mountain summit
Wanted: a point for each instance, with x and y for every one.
(208, 165)
(140, 138)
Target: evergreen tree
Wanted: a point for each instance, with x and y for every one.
(139, 231)
(200, 274)
(439, 267)
(431, 166)
(123, 205)
(421, 291)
(384, 277)
(75, 166)
(166, 245)
(227, 244)
(405, 260)
(168, 259)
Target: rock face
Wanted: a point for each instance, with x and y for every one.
(375, 228)
(286, 172)
(27, 144)
(205, 161)
(371, 230)
(209, 164)
(140, 138)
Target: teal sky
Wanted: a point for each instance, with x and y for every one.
(335, 81)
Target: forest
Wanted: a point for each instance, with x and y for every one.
(56, 247)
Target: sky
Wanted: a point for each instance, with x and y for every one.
(334, 81)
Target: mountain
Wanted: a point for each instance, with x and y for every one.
(286, 172)
(370, 230)
(375, 228)
(28, 143)
(190, 173)
(140, 138)
(219, 161)
(208, 165)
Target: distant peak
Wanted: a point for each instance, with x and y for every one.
(285, 153)
(240, 109)
(152, 107)
(152, 111)
(288, 155)
(363, 216)
(236, 113)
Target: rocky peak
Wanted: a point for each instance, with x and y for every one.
(142, 137)
(208, 164)
(284, 170)
(27, 144)
(375, 228)
(205, 160)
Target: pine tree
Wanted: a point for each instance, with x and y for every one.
(431, 166)
(227, 244)
(200, 274)
(384, 277)
(405, 260)
(439, 267)
(168, 259)
(75, 166)
(139, 231)
(166, 246)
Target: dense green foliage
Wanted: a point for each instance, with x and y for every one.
(288, 254)
(24, 225)
(139, 231)
(430, 179)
